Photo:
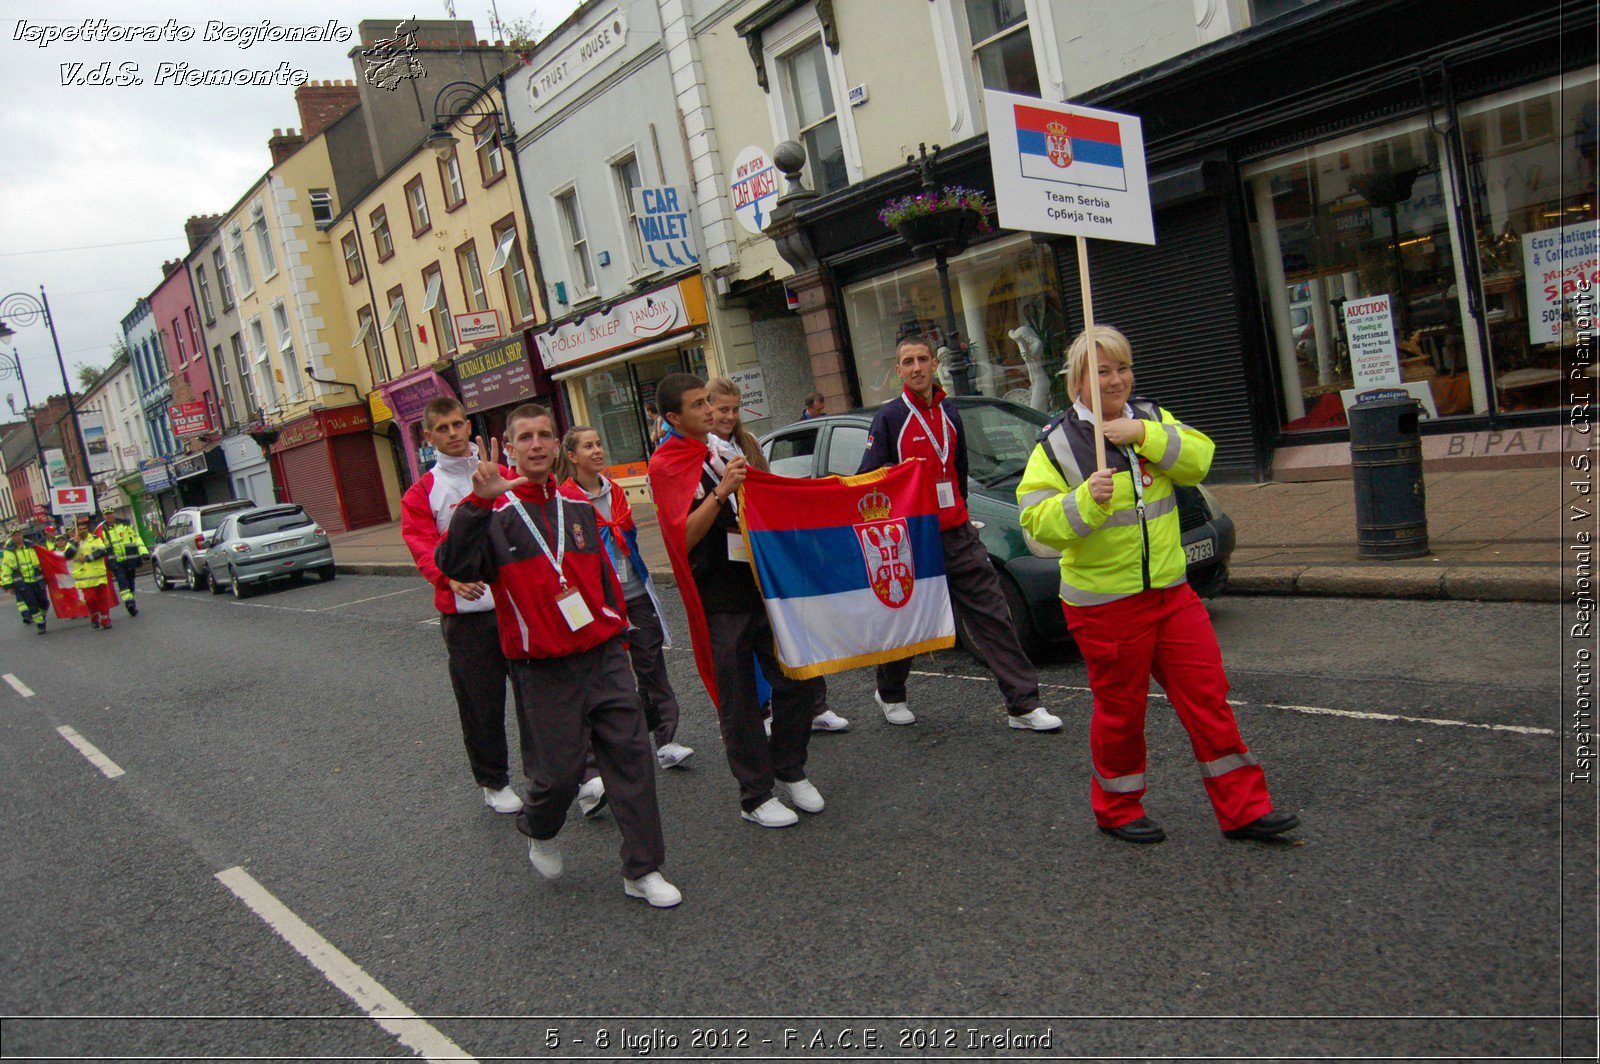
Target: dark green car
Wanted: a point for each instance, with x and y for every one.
(1000, 437)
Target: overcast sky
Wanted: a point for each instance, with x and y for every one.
(97, 180)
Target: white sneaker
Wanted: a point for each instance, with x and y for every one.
(766, 725)
(803, 795)
(828, 720)
(545, 856)
(592, 797)
(505, 800)
(894, 712)
(671, 755)
(653, 888)
(1040, 719)
(771, 814)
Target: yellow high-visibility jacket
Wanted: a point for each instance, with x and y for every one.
(1119, 549)
(124, 541)
(20, 565)
(88, 560)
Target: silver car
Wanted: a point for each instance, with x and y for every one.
(254, 546)
(180, 556)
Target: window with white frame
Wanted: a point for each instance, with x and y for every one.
(241, 263)
(204, 285)
(224, 380)
(247, 387)
(382, 240)
(367, 340)
(472, 277)
(577, 243)
(400, 321)
(265, 378)
(625, 176)
(291, 365)
(417, 206)
(486, 143)
(224, 282)
(455, 193)
(436, 304)
(813, 114)
(258, 225)
(352, 258)
(321, 207)
(1002, 48)
(513, 278)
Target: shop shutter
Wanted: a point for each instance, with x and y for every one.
(308, 474)
(1177, 302)
(360, 481)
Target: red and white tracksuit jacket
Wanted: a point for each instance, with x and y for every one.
(495, 546)
(425, 513)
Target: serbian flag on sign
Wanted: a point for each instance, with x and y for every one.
(1070, 148)
(851, 568)
(65, 598)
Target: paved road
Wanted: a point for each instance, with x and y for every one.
(306, 738)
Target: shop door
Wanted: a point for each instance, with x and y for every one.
(355, 458)
(1177, 302)
(308, 476)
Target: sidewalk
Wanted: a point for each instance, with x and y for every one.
(1495, 535)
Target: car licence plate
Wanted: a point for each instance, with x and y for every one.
(1199, 550)
(282, 545)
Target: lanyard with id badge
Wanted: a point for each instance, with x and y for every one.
(946, 487)
(569, 601)
(737, 550)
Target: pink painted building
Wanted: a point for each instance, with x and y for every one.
(201, 474)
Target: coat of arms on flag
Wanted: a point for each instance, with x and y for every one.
(1078, 149)
(851, 569)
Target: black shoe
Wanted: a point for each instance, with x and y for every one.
(41, 628)
(95, 621)
(1266, 827)
(1142, 830)
(133, 608)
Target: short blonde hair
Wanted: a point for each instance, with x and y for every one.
(1109, 340)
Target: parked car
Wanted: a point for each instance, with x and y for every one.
(180, 556)
(1000, 437)
(266, 543)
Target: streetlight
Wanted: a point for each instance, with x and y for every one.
(454, 102)
(943, 240)
(24, 309)
(12, 367)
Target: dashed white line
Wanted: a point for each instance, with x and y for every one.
(100, 761)
(370, 996)
(1316, 711)
(18, 686)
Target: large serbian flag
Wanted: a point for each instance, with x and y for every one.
(65, 598)
(851, 568)
(1078, 149)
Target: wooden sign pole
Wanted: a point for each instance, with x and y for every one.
(1092, 356)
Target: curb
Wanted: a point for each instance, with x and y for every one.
(1510, 583)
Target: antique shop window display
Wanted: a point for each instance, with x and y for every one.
(1363, 216)
(1531, 167)
(1007, 307)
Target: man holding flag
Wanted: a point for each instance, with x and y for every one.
(728, 623)
(920, 423)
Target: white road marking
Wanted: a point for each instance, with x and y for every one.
(100, 761)
(374, 598)
(370, 996)
(1316, 711)
(436, 622)
(270, 606)
(18, 686)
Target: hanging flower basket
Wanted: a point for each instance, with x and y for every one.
(942, 221)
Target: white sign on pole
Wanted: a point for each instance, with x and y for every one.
(1059, 168)
(1555, 262)
(664, 228)
(1369, 328)
(1075, 171)
(752, 393)
(72, 500)
(754, 186)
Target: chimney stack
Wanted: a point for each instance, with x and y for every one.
(199, 228)
(322, 103)
(283, 143)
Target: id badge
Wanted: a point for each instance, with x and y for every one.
(947, 494)
(737, 551)
(574, 610)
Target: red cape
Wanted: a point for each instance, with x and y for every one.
(674, 479)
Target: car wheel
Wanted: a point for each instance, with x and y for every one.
(240, 591)
(216, 586)
(195, 579)
(1021, 623)
(162, 581)
(327, 574)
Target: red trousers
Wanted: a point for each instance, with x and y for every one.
(1166, 634)
(100, 599)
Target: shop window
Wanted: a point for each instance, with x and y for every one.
(1364, 216)
(437, 306)
(381, 239)
(1531, 168)
(814, 114)
(617, 414)
(577, 242)
(1002, 47)
(1262, 10)
(1008, 309)
(224, 282)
